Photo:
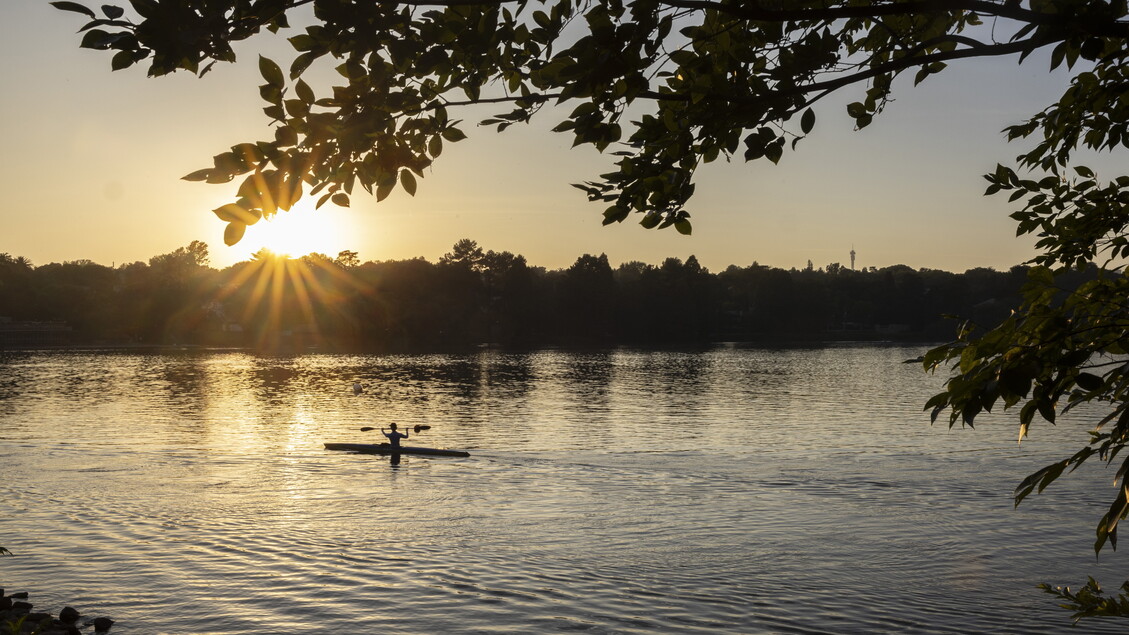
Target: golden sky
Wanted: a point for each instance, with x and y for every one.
(92, 161)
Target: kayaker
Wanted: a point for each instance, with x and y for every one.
(393, 435)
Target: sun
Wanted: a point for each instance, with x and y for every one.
(302, 230)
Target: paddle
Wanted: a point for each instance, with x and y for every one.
(418, 427)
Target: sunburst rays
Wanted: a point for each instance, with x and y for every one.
(285, 295)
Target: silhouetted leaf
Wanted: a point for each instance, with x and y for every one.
(1088, 381)
(233, 233)
(453, 134)
(304, 92)
(271, 72)
(807, 121)
(233, 213)
(408, 181)
(301, 63)
(285, 136)
(122, 59)
(74, 6)
(96, 39)
(198, 175)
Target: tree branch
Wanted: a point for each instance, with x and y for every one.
(756, 12)
(982, 50)
(909, 62)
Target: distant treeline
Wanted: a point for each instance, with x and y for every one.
(472, 296)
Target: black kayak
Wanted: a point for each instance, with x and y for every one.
(385, 448)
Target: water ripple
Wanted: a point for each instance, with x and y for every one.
(735, 490)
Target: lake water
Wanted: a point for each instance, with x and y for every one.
(727, 490)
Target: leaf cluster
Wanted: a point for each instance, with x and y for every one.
(1061, 349)
(1077, 220)
(664, 86)
(1091, 600)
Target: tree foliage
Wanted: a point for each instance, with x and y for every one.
(1063, 347)
(664, 85)
(1091, 600)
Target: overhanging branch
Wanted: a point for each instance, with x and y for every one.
(753, 10)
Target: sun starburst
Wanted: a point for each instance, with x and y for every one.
(288, 301)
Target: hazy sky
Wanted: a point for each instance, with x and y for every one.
(92, 161)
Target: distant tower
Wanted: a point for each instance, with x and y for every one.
(852, 257)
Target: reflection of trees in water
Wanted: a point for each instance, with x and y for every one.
(588, 376)
(185, 380)
(483, 375)
(83, 381)
(426, 388)
(678, 379)
(688, 369)
(766, 371)
(14, 378)
(273, 378)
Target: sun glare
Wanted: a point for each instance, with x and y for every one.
(277, 286)
(298, 232)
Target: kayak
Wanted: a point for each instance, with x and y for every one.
(384, 448)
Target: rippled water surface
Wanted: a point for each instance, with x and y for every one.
(736, 490)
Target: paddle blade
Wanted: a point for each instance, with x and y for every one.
(367, 428)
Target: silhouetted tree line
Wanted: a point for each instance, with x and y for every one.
(471, 296)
